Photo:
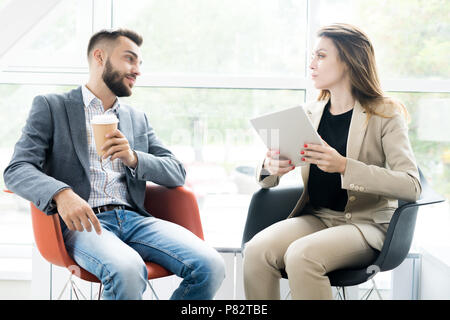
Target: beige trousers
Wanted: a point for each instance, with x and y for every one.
(307, 247)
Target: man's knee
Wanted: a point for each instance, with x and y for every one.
(131, 269)
(126, 277)
(213, 266)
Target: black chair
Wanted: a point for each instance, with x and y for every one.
(269, 206)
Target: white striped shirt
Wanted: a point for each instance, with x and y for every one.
(108, 186)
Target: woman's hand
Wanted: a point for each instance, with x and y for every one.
(275, 166)
(324, 157)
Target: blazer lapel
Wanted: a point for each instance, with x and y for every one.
(356, 132)
(77, 123)
(125, 125)
(315, 114)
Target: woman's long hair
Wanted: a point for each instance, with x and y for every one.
(356, 51)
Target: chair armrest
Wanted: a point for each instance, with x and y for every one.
(177, 205)
(401, 227)
(428, 195)
(48, 237)
(269, 206)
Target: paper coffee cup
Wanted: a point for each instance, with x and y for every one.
(102, 125)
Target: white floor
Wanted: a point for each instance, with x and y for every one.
(232, 287)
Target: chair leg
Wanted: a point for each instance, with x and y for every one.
(287, 295)
(76, 289)
(64, 288)
(367, 294)
(338, 295)
(153, 290)
(100, 291)
(72, 286)
(73, 289)
(51, 281)
(376, 290)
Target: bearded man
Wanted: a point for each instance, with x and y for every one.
(55, 165)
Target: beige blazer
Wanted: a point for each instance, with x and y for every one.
(380, 170)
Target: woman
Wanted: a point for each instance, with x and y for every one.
(351, 183)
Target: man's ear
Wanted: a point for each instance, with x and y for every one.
(99, 56)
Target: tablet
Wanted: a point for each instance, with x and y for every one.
(287, 130)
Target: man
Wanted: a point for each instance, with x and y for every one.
(55, 165)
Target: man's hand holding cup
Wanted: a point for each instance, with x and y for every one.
(110, 142)
(117, 147)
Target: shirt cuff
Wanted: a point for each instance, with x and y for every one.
(132, 171)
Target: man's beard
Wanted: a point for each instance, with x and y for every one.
(114, 81)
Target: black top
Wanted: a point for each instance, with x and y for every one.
(325, 188)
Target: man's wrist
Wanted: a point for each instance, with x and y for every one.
(134, 162)
(60, 193)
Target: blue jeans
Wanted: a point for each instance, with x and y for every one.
(128, 239)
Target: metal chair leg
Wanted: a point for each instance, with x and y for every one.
(367, 294)
(64, 288)
(376, 290)
(338, 293)
(153, 290)
(287, 295)
(51, 281)
(100, 291)
(74, 289)
(77, 291)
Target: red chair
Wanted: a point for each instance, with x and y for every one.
(177, 205)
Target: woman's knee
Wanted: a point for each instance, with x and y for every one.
(302, 256)
(256, 248)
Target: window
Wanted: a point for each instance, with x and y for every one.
(430, 135)
(57, 42)
(239, 37)
(411, 37)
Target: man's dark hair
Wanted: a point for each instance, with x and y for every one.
(112, 35)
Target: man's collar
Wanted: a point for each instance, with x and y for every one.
(88, 97)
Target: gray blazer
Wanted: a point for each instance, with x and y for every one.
(52, 153)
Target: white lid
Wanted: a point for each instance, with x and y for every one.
(104, 119)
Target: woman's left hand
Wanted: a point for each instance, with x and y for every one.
(324, 157)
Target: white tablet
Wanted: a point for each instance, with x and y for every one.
(287, 130)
